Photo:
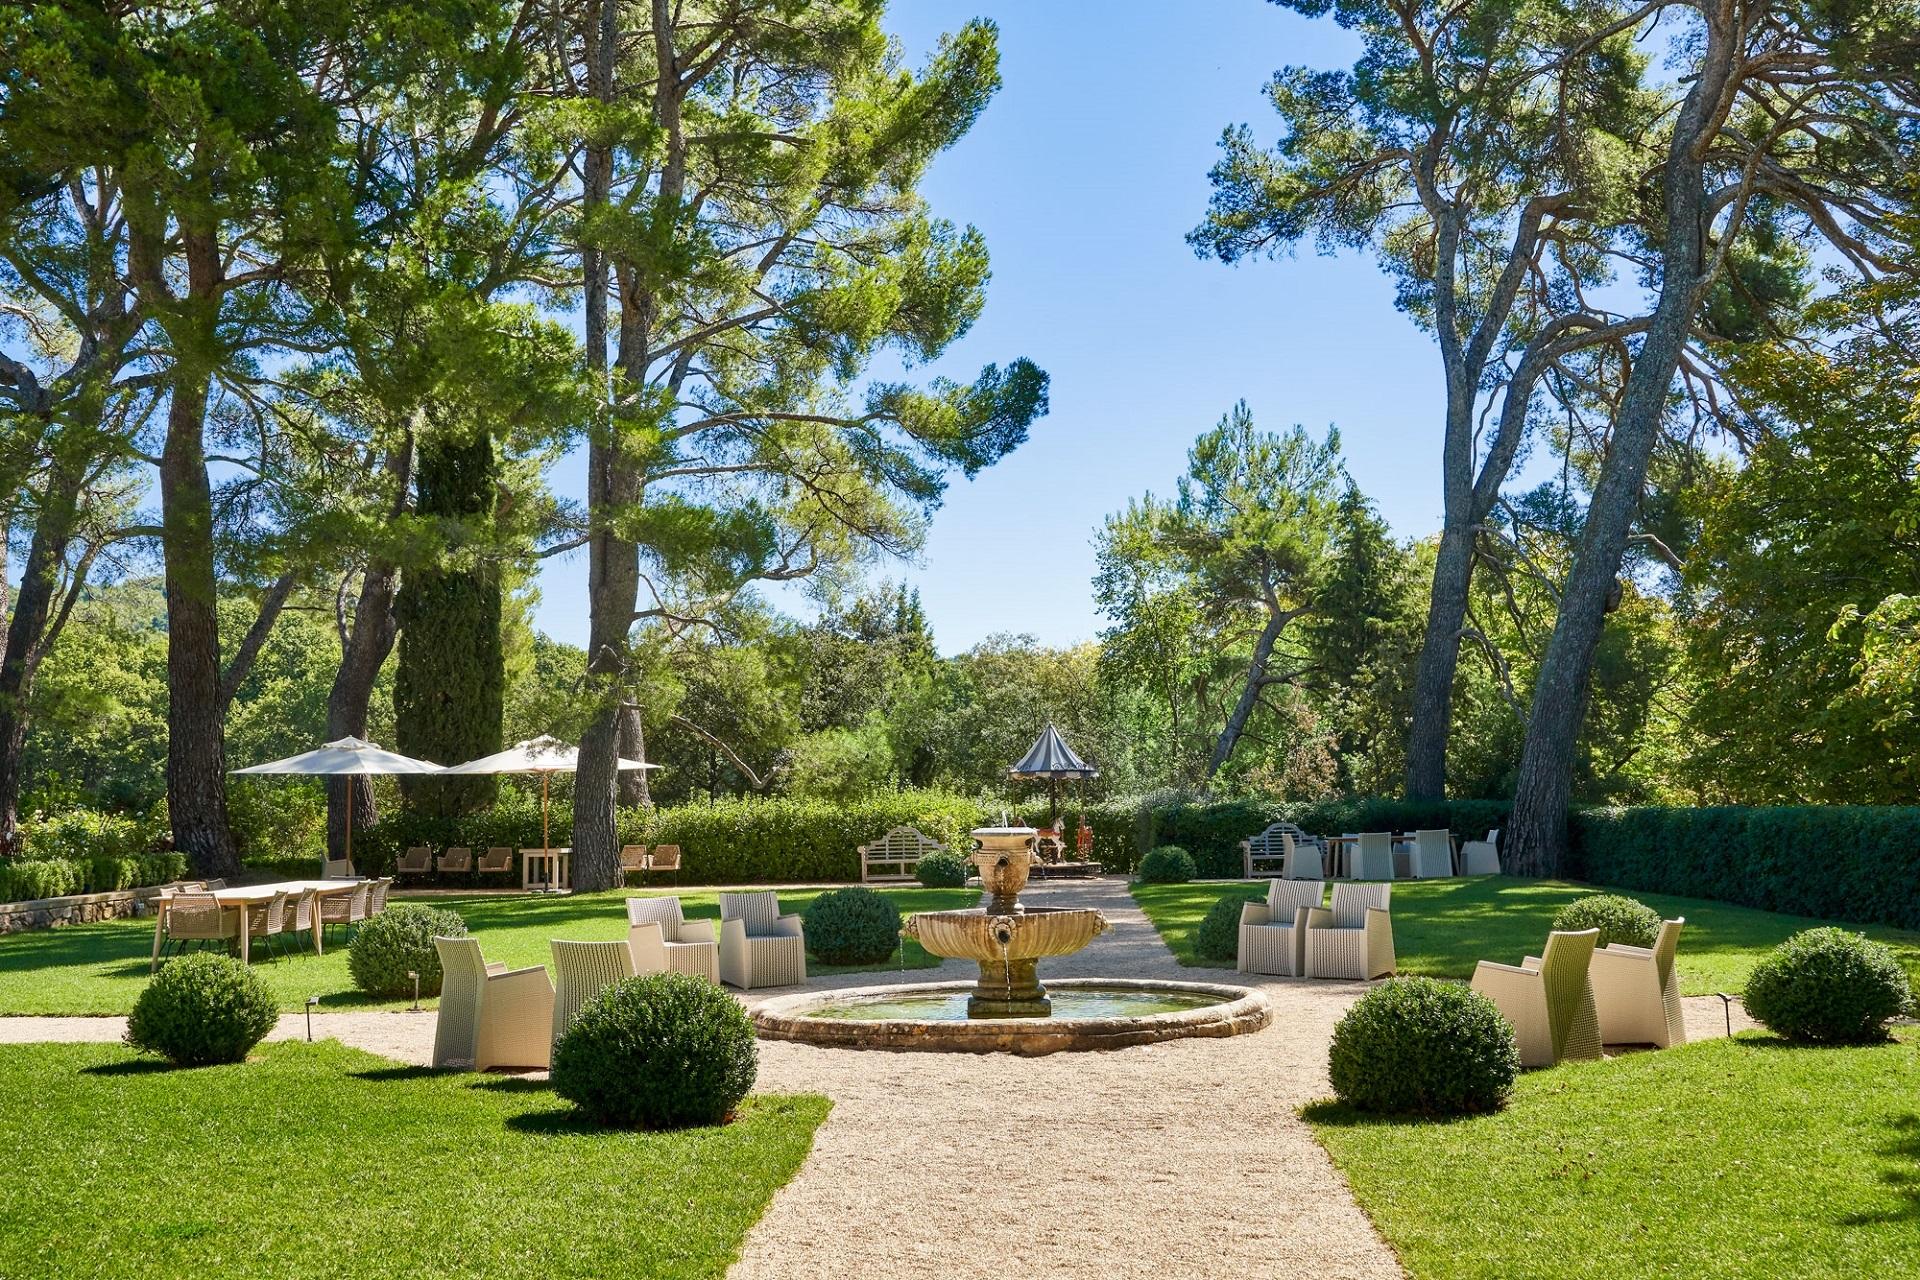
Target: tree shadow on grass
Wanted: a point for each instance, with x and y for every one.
(556, 1123)
(1338, 1115)
(513, 1084)
(131, 1067)
(391, 1075)
(1903, 1177)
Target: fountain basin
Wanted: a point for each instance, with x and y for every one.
(1007, 947)
(1091, 1016)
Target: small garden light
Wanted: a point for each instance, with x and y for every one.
(415, 975)
(311, 1001)
(1726, 1005)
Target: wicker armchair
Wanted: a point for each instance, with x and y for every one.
(497, 861)
(377, 896)
(336, 869)
(1373, 856)
(1353, 938)
(1548, 999)
(759, 947)
(490, 1016)
(580, 971)
(633, 860)
(1481, 857)
(268, 919)
(688, 945)
(345, 910)
(303, 913)
(1300, 859)
(1432, 855)
(1273, 934)
(417, 861)
(1636, 992)
(197, 918)
(455, 860)
(665, 857)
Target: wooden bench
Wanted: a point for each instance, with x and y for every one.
(896, 855)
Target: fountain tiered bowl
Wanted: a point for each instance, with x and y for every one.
(1007, 1009)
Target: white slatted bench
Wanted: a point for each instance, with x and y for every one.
(895, 855)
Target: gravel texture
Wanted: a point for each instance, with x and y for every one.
(1175, 1159)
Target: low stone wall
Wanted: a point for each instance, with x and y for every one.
(81, 908)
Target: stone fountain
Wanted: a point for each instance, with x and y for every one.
(1006, 939)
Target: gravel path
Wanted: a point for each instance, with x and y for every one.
(1182, 1158)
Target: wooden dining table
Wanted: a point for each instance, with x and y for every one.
(244, 898)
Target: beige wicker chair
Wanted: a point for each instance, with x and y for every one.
(336, 868)
(268, 919)
(1637, 993)
(454, 860)
(1548, 999)
(303, 914)
(1432, 855)
(213, 886)
(377, 896)
(580, 971)
(345, 910)
(199, 917)
(665, 857)
(759, 947)
(417, 861)
(1481, 857)
(496, 861)
(1300, 859)
(633, 860)
(490, 1016)
(1352, 938)
(1373, 856)
(688, 945)
(1273, 934)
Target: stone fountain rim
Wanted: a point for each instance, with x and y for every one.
(1242, 1010)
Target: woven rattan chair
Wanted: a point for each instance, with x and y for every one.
(1273, 934)
(417, 861)
(1548, 999)
(1300, 859)
(759, 947)
(214, 886)
(199, 918)
(490, 1016)
(497, 860)
(580, 971)
(454, 860)
(665, 857)
(377, 891)
(301, 915)
(1636, 992)
(268, 919)
(336, 869)
(1481, 857)
(633, 861)
(345, 910)
(1432, 855)
(688, 945)
(1353, 937)
(1373, 856)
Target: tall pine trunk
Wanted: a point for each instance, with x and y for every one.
(368, 641)
(1537, 834)
(1439, 660)
(1249, 693)
(29, 632)
(634, 791)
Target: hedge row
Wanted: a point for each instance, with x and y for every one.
(26, 879)
(1838, 862)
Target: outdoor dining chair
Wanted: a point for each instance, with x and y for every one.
(1636, 991)
(345, 910)
(268, 919)
(301, 914)
(1353, 937)
(377, 896)
(580, 971)
(1548, 998)
(1481, 857)
(1432, 854)
(336, 869)
(1373, 856)
(198, 918)
(1273, 933)
(1299, 859)
(490, 1015)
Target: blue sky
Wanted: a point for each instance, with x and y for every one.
(1085, 174)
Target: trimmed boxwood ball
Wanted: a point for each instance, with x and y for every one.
(664, 1051)
(1218, 937)
(1423, 1047)
(1617, 917)
(202, 1008)
(397, 940)
(852, 926)
(1169, 864)
(1828, 986)
(943, 869)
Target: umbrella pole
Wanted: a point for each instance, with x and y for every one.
(1053, 800)
(546, 841)
(349, 826)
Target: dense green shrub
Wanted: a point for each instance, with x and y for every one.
(1425, 1047)
(202, 1008)
(81, 835)
(1218, 936)
(24, 879)
(397, 940)
(943, 869)
(1836, 862)
(1618, 918)
(852, 926)
(1828, 986)
(1168, 864)
(663, 1051)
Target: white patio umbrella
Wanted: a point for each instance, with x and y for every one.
(543, 755)
(345, 756)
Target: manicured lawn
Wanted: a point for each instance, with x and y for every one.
(319, 1159)
(1723, 1158)
(1442, 927)
(101, 968)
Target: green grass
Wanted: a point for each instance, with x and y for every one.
(1740, 1157)
(101, 968)
(320, 1159)
(1442, 927)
